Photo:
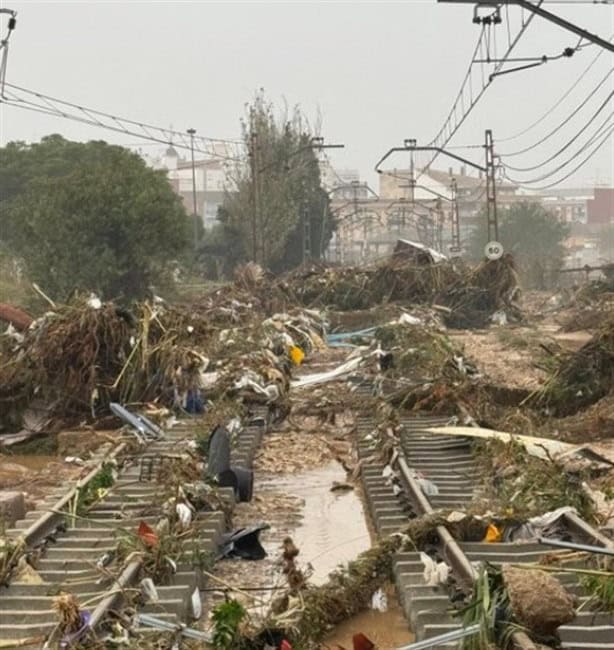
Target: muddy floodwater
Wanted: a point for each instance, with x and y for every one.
(332, 528)
(29, 461)
(387, 630)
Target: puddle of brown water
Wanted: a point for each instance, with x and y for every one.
(333, 529)
(387, 630)
(30, 461)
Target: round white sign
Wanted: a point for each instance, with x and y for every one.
(493, 250)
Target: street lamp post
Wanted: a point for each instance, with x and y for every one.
(192, 133)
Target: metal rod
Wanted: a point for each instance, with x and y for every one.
(454, 552)
(192, 133)
(455, 635)
(437, 149)
(160, 624)
(576, 547)
(41, 526)
(127, 577)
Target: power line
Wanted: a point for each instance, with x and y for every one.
(559, 102)
(573, 171)
(452, 123)
(570, 142)
(587, 145)
(567, 119)
(25, 99)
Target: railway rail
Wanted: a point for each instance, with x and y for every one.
(448, 462)
(68, 553)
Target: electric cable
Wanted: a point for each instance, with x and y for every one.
(50, 100)
(608, 129)
(560, 101)
(117, 124)
(447, 132)
(566, 121)
(569, 143)
(572, 172)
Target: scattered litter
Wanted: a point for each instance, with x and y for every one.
(546, 525)
(176, 628)
(337, 486)
(149, 591)
(544, 448)
(379, 601)
(361, 642)
(196, 604)
(297, 355)
(75, 460)
(147, 535)
(323, 377)
(184, 514)
(244, 543)
(499, 318)
(428, 487)
(493, 534)
(435, 573)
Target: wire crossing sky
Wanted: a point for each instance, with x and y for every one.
(376, 73)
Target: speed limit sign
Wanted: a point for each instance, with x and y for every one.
(493, 250)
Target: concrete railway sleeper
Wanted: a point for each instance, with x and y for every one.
(448, 462)
(66, 556)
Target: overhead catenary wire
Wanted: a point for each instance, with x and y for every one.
(452, 123)
(526, 184)
(25, 99)
(566, 120)
(589, 143)
(548, 113)
(569, 142)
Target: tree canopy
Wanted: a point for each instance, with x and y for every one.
(88, 216)
(275, 203)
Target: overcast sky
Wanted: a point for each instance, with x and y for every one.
(378, 72)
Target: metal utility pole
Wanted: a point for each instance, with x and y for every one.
(4, 46)
(192, 133)
(540, 11)
(439, 226)
(306, 236)
(491, 190)
(455, 248)
(253, 146)
(489, 169)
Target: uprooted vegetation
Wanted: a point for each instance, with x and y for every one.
(77, 360)
(522, 486)
(582, 377)
(430, 372)
(469, 295)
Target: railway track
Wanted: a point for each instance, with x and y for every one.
(448, 462)
(68, 554)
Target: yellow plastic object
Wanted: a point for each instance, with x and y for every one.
(493, 534)
(297, 355)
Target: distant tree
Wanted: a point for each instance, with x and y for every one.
(88, 216)
(605, 242)
(276, 195)
(533, 235)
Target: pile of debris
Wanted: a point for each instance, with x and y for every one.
(81, 357)
(583, 377)
(469, 297)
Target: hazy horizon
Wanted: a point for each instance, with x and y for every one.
(376, 72)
